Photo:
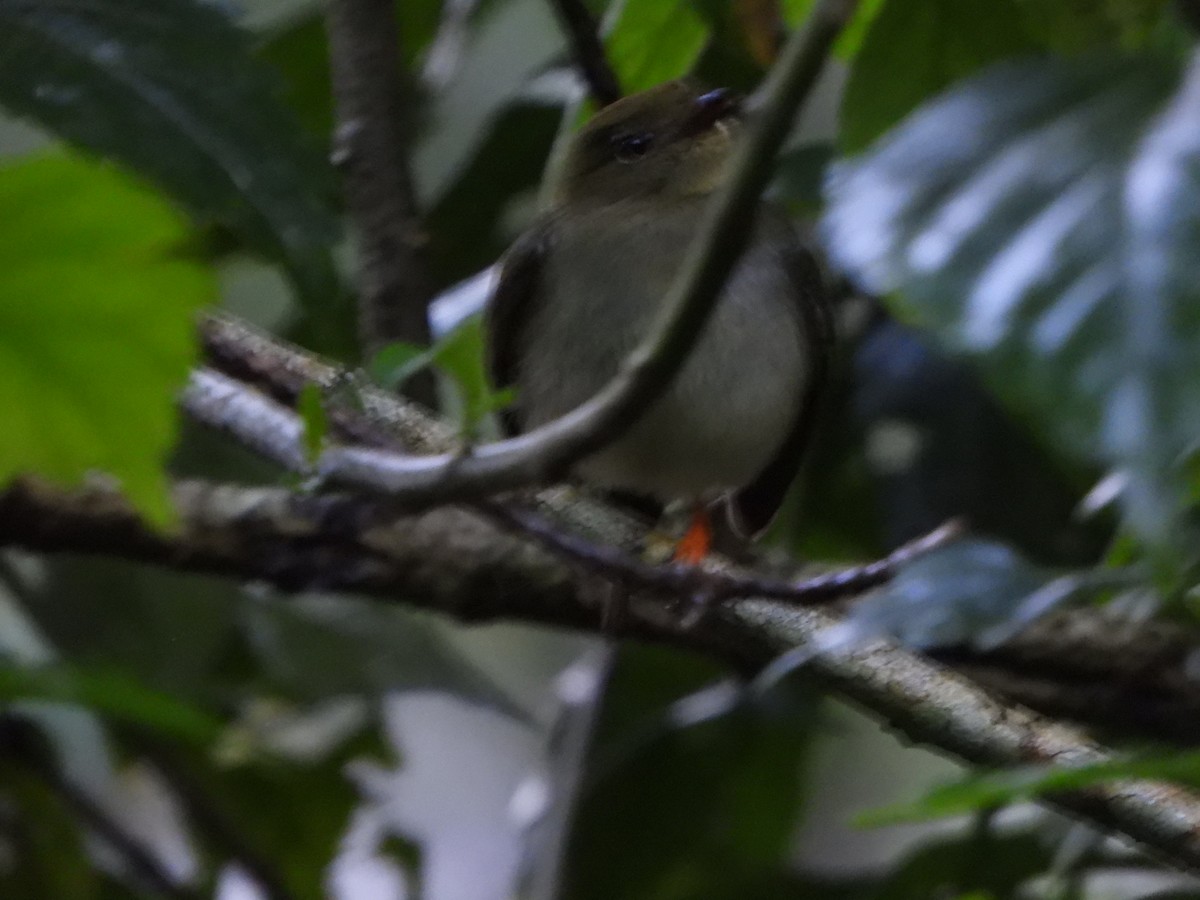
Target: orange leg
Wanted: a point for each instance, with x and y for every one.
(697, 540)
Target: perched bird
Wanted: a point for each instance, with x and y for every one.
(580, 289)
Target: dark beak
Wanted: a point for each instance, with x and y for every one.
(709, 109)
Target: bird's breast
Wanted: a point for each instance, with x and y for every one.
(731, 405)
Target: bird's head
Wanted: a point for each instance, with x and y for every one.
(669, 142)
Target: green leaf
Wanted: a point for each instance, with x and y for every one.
(318, 647)
(459, 355)
(398, 362)
(96, 326)
(687, 797)
(655, 41)
(168, 87)
(1068, 26)
(111, 694)
(991, 790)
(851, 39)
(985, 864)
(311, 406)
(915, 48)
(1044, 218)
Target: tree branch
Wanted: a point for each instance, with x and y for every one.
(456, 562)
(1130, 678)
(394, 288)
(578, 22)
(546, 453)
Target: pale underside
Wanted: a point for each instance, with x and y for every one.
(737, 397)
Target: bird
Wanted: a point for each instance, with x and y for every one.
(580, 288)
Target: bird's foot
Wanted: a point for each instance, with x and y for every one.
(683, 536)
(697, 541)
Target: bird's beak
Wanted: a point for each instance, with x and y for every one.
(709, 109)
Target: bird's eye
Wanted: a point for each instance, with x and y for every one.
(632, 147)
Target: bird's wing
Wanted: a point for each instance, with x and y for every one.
(752, 507)
(508, 312)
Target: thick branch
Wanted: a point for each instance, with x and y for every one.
(369, 145)
(1130, 678)
(456, 562)
(546, 453)
(593, 64)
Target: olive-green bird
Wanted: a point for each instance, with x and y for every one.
(580, 289)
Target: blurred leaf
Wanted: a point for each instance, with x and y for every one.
(799, 176)
(43, 840)
(1068, 26)
(398, 362)
(984, 864)
(915, 48)
(655, 41)
(293, 815)
(321, 647)
(490, 75)
(761, 26)
(168, 87)
(699, 800)
(971, 592)
(299, 51)
(460, 356)
(111, 694)
(851, 39)
(475, 220)
(1043, 218)
(172, 631)
(311, 406)
(991, 790)
(96, 326)
(937, 445)
(794, 11)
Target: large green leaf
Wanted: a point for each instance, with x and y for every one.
(655, 41)
(96, 325)
(993, 789)
(168, 87)
(915, 48)
(318, 648)
(691, 797)
(1074, 25)
(112, 694)
(1045, 218)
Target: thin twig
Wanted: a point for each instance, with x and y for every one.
(369, 146)
(719, 584)
(253, 419)
(594, 66)
(546, 453)
(282, 371)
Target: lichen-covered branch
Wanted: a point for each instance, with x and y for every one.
(457, 562)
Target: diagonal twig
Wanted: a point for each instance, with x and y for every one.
(593, 64)
(720, 584)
